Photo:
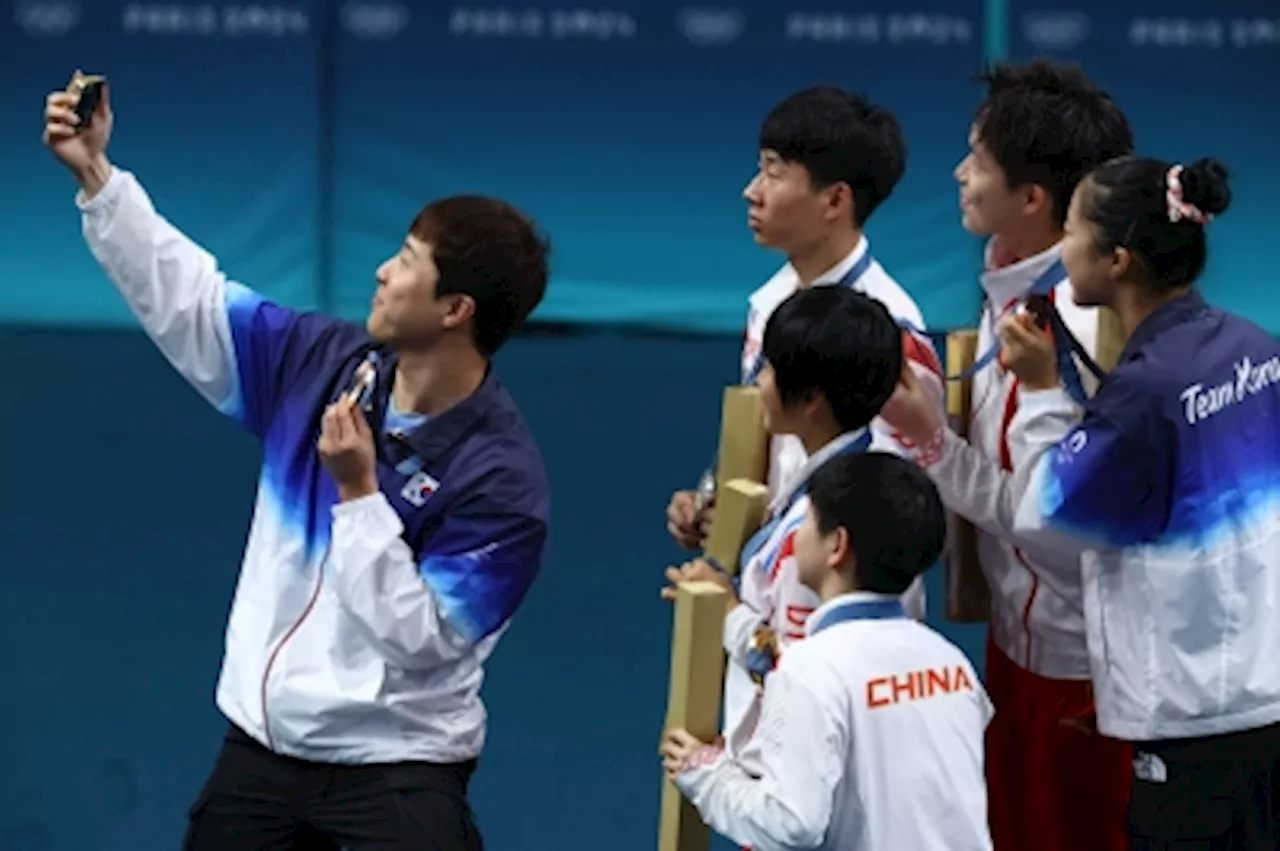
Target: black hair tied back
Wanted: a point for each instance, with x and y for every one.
(1205, 186)
(1158, 211)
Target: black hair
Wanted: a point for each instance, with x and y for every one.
(489, 250)
(839, 137)
(836, 343)
(891, 510)
(1129, 205)
(1045, 123)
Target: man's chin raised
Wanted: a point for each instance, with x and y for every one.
(376, 327)
(973, 225)
(759, 236)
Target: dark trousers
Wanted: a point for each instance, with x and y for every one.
(1216, 793)
(256, 800)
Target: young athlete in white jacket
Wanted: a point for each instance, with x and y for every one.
(1053, 787)
(827, 351)
(871, 730)
(828, 160)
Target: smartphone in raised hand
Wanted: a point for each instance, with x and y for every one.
(90, 90)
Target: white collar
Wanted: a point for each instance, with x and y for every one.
(842, 600)
(812, 463)
(1007, 283)
(838, 271)
(787, 279)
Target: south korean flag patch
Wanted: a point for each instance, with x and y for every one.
(419, 489)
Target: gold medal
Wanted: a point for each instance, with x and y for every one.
(763, 654)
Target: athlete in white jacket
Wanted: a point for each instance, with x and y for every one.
(828, 160)
(1168, 488)
(1052, 786)
(859, 750)
(824, 349)
(860, 271)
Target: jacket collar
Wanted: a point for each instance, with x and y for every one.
(1003, 284)
(816, 618)
(1182, 309)
(435, 438)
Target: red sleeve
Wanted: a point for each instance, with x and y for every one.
(918, 349)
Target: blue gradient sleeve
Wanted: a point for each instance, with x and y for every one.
(480, 565)
(268, 342)
(1102, 486)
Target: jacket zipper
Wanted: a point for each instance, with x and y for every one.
(271, 661)
(1006, 463)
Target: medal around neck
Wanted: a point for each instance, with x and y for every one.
(763, 654)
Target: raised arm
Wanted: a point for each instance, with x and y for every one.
(972, 485)
(921, 359)
(1105, 484)
(969, 482)
(1097, 487)
(1077, 483)
(229, 343)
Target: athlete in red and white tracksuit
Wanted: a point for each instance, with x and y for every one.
(1053, 782)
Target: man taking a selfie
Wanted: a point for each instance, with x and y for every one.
(401, 515)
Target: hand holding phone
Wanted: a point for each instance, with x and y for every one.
(89, 89)
(77, 129)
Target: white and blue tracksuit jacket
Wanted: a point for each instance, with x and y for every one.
(1170, 488)
(359, 630)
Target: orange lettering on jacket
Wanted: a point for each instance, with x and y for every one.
(917, 685)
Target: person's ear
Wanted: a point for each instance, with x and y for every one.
(839, 547)
(1035, 198)
(812, 404)
(460, 309)
(839, 202)
(1122, 263)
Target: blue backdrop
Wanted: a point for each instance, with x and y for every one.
(222, 130)
(298, 139)
(631, 134)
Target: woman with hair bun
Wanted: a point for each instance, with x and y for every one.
(1169, 487)
(1139, 231)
